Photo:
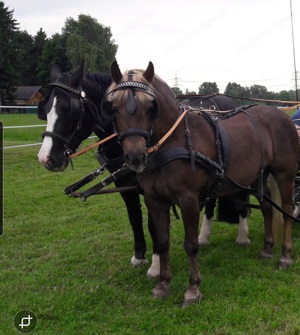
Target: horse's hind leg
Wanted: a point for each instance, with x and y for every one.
(266, 209)
(286, 192)
(243, 211)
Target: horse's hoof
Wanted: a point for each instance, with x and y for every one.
(138, 262)
(284, 263)
(243, 243)
(191, 296)
(152, 273)
(160, 291)
(154, 270)
(266, 254)
(203, 243)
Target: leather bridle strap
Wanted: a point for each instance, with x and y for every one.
(132, 132)
(55, 136)
(168, 134)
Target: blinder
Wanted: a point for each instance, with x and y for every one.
(45, 106)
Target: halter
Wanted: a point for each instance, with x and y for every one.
(131, 104)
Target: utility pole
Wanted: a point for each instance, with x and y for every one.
(295, 68)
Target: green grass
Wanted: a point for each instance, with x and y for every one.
(69, 262)
(21, 136)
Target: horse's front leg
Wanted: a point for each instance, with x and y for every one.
(205, 231)
(160, 215)
(190, 212)
(154, 270)
(132, 202)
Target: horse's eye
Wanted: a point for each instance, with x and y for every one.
(114, 110)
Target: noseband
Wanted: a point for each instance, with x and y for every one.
(131, 104)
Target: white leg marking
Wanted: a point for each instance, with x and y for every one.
(137, 262)
(242, 238)
(205, 231)
(45, 150)
(154, 270)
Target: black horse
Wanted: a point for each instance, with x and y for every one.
(232, 209)
(71, 106)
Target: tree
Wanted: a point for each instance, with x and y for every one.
(187, 92)
(208, 88)
(25, 60)
(238, 91)
(176, 90)
(91, 41)
(258, 91)
(54, 52)
(8, 55)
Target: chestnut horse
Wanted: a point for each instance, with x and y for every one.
(177, 157)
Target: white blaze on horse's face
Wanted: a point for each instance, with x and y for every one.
(44, 153)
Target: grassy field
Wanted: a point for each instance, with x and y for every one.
(69, 262)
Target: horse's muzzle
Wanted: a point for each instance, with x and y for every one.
(135, 152)
(53, 165)
(136, 162)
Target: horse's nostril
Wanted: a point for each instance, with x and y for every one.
(136, 162)
(51, 161)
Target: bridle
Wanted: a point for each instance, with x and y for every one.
(134, 86)
(78, 100)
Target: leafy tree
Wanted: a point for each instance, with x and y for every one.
(208, 88)
(176, 90)
(8, 55)
(236, 90)
(258, 91)
(190, 92)
(87, 39)
(24, 64)
(53, 52)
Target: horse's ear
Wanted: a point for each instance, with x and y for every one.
(78, 75)
(54, 72)
(149, 73)
(116, 74)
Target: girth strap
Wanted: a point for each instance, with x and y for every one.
(160, 158)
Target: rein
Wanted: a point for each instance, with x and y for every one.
(78, 153)
(149, 150)
(168, 134)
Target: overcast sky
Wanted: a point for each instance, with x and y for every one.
(243, 41)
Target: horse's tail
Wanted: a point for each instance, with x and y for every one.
(230, 208)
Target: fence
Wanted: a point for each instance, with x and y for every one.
(18, 109)
(30, 144)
